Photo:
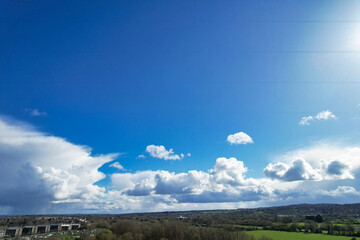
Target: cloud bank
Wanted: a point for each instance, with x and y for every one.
(226, 182)
(41, 173)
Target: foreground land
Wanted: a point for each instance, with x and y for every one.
(306, 222)
(277, 235)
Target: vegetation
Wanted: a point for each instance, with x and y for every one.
(126, 229)
(277, 235)
(321, 221)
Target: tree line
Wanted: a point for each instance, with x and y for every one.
(168, 229)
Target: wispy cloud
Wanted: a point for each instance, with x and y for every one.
(321, 116)
(239, 138)
(117, 165)
(35, 112)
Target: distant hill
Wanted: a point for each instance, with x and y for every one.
(332, 210)
(327, 210)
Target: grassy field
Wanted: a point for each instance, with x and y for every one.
(276, 235)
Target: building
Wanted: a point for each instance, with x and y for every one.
(14, 232)
(55, 227)
(66, 227)
(2, 233)
(29, 230)
(75, 226)
(43, 228)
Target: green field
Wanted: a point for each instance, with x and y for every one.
(276, 235)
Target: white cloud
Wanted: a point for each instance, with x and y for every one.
(140, 183)
(162, 153)
(324, 115)
(298, 170)
(117, 165)
(306, 120)
(229, 171)
(224, 183)
(239, 138)
(342, 191)
(41, 173)
(338, 168)
(141, 156)
(38, 169)
(181, 183)
(36, 113)
(319, 162)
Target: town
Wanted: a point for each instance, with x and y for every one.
(15, 226)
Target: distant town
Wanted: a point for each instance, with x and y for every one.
(49, 226)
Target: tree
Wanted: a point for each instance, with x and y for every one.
(105, 235)
(318, 219)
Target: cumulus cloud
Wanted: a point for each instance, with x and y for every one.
(229, 171)
(226, 185)
(117, 165)
(225, 182)
(299, 169)
(320, 162)
(127, 181)
(324, 115)
(336, 168)
(161, 152)
(192, 182)
(239, 138)
(55, 170)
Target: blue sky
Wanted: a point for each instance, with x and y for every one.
(119, 76)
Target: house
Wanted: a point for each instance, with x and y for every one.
(14, 232)
(29, 230)
(2, 233)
